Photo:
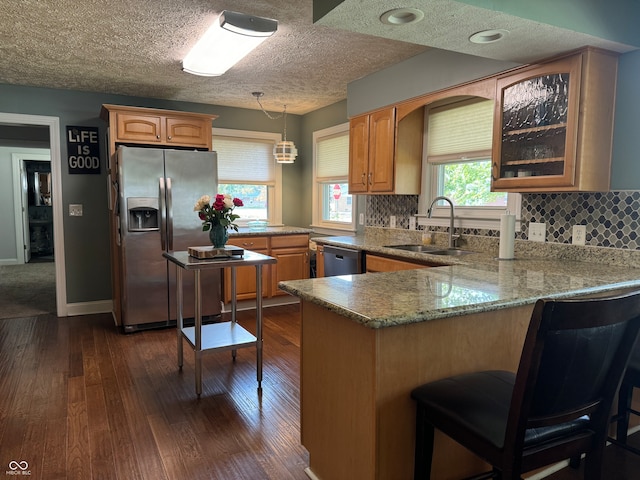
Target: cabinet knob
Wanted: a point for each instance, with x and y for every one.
(170, 137)
(158, 137)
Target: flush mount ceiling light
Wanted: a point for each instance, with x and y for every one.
(488, 36)
(232, 36)
(284, 151)
(402, 16)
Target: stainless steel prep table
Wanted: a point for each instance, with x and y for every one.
(224, 335)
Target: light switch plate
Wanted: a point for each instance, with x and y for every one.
(75, 210)
(392, 221)
(361, 219)
(412, 223)
(537, 232)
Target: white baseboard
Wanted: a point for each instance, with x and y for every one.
(310, 474)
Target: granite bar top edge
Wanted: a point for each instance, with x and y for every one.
(386, 299)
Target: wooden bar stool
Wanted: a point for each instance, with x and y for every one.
(630, 381)
(556, 407)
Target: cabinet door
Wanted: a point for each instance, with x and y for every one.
(320, 261)
(381, 150)
(188, 131)
(292, 264)
(138, 128)
(359, 154)
(536, 125)
(246, 276)
(375, 263)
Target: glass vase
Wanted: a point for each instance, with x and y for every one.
(218, 236)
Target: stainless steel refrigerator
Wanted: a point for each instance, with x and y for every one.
(158, 189)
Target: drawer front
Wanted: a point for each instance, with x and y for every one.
(286, 241)
(250, 243)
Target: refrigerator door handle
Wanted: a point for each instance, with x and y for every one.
(163, 215)
(169, 214)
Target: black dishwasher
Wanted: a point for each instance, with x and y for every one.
(342, 261)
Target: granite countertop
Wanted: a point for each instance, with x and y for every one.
(462, 285)
(269, 231)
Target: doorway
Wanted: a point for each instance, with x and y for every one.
(53, 124)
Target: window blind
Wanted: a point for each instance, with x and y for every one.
(463, 129)
(332, 156)
(244, 160)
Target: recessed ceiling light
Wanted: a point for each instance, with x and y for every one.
(488, 36)
(402, 16)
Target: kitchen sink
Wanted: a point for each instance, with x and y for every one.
(416, 248)
(431, 249)
(451, 251)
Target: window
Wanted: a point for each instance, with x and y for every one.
(333, 205)
(247, 170)
(459, 137)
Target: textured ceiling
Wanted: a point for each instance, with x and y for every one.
(135, 47)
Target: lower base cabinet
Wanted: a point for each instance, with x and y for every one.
(376, 263)
(291, 253)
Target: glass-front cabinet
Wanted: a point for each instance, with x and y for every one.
(552, 129)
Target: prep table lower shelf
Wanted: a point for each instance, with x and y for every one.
(221, 336)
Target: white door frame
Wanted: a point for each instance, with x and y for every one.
(20, 206)
(56, 179)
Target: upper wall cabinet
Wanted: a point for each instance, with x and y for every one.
(148, 126)
(553, 125)
(385, 157)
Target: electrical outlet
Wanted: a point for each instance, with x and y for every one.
(579, 234)
(412, 223)
(75, 210)
(361, 219)
(537, 232)
(392, 221)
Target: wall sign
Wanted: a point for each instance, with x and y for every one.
(83, 150)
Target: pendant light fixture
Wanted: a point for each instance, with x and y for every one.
(232, 36)
(284, 151)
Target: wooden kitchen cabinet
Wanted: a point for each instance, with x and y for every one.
(320, 261)
(149, 126)
(246, 276)
(291, 253)
(376, 263)
(380, 159)
(553, 125)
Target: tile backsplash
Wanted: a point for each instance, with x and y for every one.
(612, 218)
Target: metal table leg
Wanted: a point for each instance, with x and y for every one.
(180, 318)
(234, 305)
(259, 324)
(198, 332)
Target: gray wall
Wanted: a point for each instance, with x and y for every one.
(86, 238)
(425, 73)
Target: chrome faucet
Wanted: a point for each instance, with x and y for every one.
(452, 237)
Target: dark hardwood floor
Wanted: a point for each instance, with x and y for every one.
(79, 400)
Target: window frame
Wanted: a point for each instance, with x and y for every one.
(471, 217)
(317, 222)
(274, 191)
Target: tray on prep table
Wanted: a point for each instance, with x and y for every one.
(228, 251)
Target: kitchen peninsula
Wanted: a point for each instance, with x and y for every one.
(367, 340)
